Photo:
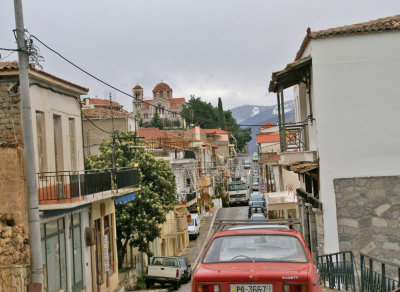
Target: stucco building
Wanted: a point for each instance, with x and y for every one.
(345, 140)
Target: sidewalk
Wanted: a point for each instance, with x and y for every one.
(195, 246)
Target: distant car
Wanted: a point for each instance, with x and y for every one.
(258, 217)
(246, 164)
(256, 260)
(257, 199)
(255, 156)
(186, 269)
(256, 209)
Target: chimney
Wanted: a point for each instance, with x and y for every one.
(197, 133)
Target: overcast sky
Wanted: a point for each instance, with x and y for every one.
(206, 48)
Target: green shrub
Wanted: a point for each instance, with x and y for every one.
(141, 282)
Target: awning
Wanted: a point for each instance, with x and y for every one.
(301, 166)
(293, 74)
(125, 198)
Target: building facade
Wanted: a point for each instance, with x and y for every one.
(347, 150)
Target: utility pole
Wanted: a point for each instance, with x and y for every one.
(30, 168)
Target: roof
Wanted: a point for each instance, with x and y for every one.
(138, 87)
(13, 66)
(154, 133)
(105, 113)
(268, 138)
(301, 166)
(177, 100)
(257, 231)
(105, 102)
(391, 23)
(267, 125)
(161, 86)
(205, 131)
(293, 73)
(210, 146)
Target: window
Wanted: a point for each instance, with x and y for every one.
(58, 146)
(146, 116)
(54, 254)
(41, 141)
(109, 244)
(308, 182)
(72, 143)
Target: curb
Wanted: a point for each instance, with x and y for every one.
(207, 238)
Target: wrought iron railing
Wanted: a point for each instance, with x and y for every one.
(70, 186)
(294, 136)
(378, 275)
(337, 270)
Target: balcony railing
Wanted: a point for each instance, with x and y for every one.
(294, 136)
(71, 186)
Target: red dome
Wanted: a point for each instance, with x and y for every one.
(161, 86)
(138, 87)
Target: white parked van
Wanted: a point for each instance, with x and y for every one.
(194, 226)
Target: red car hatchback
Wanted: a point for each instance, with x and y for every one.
(256, 260)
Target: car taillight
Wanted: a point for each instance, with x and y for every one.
(207, 288)
(147, 271)
(291, 288)
(177, 273)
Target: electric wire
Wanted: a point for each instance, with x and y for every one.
(115, 88)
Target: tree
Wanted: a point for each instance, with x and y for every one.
(207, 117)
(156, 121)
(137, 222)
(221, 115)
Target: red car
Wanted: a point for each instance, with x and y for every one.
(256, 260)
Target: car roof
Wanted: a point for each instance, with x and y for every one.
(262, 227)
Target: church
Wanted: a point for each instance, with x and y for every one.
(162, 101)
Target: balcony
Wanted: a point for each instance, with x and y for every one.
(75, 187)
(295, 143)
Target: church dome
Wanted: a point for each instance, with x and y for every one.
(138, 87)
(161, 86)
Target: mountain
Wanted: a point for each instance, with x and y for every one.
(254, 116)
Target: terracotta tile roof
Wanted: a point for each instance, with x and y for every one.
(13, 66)
(268, 138)
(205, 131)
(178, 100)
(104, 113)
(209, 145)
(138, 87)
(267, 125)
(154, 133)
(105, 102)
(161, 86)
(391, 23)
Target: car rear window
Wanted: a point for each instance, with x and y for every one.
(256, 248)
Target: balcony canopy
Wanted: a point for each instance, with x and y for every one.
(293, 74)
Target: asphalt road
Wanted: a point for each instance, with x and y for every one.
(232, 213)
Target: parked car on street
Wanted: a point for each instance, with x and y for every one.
(186, 269)
(194, 226)
(257, 199)
(256, 260)
(256, 209)
(164, 270)
(246, 164)
(258, 217)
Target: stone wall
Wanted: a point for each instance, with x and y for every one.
(14, 278)
(10, 113)
(368, 212)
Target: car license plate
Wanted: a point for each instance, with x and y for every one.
(251, 288)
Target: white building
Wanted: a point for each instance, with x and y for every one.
(346, 91)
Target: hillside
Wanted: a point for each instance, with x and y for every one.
(254, 116)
